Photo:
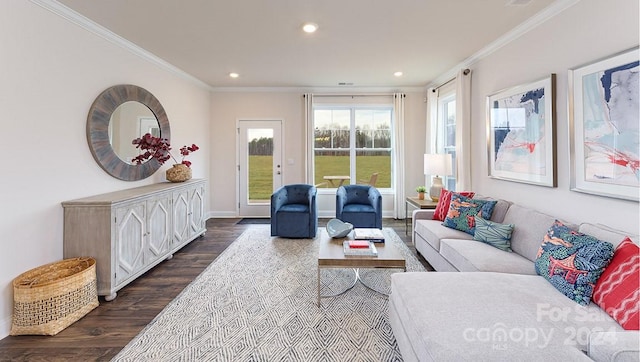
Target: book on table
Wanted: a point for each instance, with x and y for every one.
(372, 234)
(370, 250)
(358, 243)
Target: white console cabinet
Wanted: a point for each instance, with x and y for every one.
(130, 231)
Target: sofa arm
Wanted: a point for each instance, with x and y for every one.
(423, 214)
(614, 346)
(419, 214)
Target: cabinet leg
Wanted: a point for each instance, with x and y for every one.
(111, 297)
(169, 257)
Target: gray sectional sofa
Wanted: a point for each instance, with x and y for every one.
(485, 304)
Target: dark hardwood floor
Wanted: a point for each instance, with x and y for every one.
(102, 333)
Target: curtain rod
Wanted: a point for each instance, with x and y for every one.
(352, 95)
(465, 72)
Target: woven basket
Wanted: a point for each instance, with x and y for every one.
(51, 297)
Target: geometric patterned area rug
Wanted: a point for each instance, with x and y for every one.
(257, 302)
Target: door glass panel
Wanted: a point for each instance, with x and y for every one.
(260, 168)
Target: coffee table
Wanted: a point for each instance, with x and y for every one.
(331, 255)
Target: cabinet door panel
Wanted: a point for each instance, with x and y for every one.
(159, 226)
(196, 211)
(130, 231)
(180, 216)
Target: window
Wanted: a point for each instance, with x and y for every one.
(445, 133)
(351, 145)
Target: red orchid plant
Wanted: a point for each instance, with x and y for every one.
(160, 149)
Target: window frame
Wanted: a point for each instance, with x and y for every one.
(352, 137)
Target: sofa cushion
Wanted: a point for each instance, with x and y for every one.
(493, 233)
(499, 211)
(572, 262)
(606, 233)
(462, 211)
(618, 289)
(443, 203)
(486, 316)
(432, 231)
(530, 228)
(608, 346)
(472, 255)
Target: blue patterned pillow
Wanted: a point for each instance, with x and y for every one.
(494, 234)
(462, 212)
(572, 261)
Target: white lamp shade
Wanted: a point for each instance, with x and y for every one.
(437, 164)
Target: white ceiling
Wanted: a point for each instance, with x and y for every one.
(358, 41)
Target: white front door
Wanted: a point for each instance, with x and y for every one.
(259, 165)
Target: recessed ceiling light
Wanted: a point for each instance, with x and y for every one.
(234, 75)
(310, 27)
(398, 74)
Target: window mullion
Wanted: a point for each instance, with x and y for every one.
(352, 146)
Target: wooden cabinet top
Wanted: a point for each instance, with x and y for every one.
(422, 204)
(128, 194)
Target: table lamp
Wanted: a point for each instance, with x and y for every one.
(438, 165)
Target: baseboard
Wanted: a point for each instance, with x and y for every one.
(328, 214)
(221, 214)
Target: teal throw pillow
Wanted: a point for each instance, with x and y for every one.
(494, 234)
(572, 261)
(462, 212)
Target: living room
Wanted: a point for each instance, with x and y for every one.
(55, 70)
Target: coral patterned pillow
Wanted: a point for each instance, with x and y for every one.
(572, 261)
(443, 203)
(618, 289)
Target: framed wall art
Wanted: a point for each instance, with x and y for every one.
(604, 127)
(521, 133)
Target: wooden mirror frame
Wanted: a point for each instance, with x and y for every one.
(98, 130)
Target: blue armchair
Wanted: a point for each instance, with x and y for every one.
(294, 213)
(360, 205)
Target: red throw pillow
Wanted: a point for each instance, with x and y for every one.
(618, 289)
(443, 203)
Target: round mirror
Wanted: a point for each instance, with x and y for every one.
(129, 121)
(115, 119)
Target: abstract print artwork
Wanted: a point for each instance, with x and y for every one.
(605, 127)
(520, 124)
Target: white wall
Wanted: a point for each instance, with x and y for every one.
(586, 32)
(51, 72)
(228, 107)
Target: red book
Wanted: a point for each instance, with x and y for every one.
(358, 243)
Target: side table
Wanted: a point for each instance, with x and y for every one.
(418, 204)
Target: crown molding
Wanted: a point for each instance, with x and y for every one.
(85, 23)
(340, 90)
(545, 14)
